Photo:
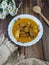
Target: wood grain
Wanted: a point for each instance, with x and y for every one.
(45, 11)
(45, 38)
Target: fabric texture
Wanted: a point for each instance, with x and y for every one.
(32, 61)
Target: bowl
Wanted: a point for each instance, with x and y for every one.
(25, 16)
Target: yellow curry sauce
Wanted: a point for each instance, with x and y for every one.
(25, 30)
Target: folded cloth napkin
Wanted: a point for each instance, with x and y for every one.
(6, 49)
(32, 61)
(14, 58)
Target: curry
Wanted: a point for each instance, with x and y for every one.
(25, 30)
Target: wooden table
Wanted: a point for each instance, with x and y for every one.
(41, 49)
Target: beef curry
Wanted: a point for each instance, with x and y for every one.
(25, 30)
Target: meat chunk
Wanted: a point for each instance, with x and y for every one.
(26, 29)
(22, 25)
(31, 33)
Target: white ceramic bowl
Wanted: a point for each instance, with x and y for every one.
(28, 43)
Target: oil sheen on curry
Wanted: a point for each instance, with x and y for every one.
(25, 30)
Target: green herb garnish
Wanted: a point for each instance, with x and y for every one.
(9, 1)
(1, 10)
(0, 1)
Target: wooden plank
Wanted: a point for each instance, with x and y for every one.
(45, 38)
(46, 33)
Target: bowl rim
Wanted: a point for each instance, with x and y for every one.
(31, 42)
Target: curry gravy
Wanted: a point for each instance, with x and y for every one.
(25, 30)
